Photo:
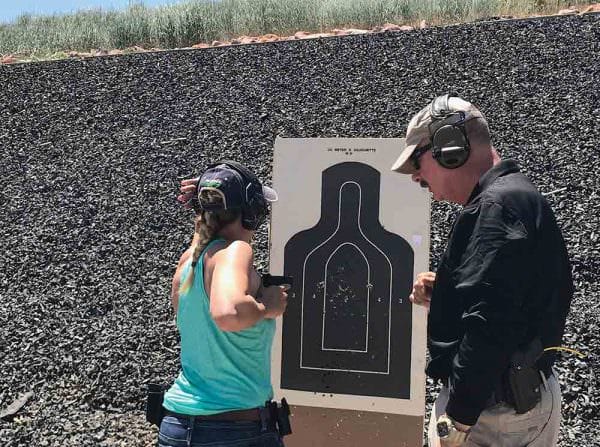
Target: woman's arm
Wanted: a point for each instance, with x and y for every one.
(177, 279)
(232, 304)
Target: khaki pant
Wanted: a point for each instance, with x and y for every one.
(500, 426)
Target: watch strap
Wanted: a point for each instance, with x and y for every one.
(448, 431)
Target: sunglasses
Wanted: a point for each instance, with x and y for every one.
(417, 154)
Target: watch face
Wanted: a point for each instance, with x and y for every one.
(443, 429)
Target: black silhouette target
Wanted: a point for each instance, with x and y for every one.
(347, 328)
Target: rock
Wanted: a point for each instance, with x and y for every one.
(592, 8)
(304, 35)
(301, 35)
(423, 24)
(201, 45)
(249, 39)
(14, 408)
(347, 31)
(269, 38)
(390, 27)
(356, 31)
(564, 12)
(10, 59)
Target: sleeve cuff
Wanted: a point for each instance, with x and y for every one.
(462, 412)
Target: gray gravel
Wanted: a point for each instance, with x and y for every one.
(91, 151)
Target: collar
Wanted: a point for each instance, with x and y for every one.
(499, 170)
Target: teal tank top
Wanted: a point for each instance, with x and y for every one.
(220, 371)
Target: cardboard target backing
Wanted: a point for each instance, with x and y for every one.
(353, 235)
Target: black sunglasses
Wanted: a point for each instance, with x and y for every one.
(417, 154)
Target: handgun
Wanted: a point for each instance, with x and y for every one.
(273, 280)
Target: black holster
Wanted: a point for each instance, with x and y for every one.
(523, 379)
(154, 408)
(280, 416)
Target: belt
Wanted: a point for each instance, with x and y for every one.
(250, 415)
(502, 394)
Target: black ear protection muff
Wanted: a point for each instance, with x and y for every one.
(449, 142)
(255, 208)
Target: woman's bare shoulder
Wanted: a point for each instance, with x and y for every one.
(185, 256)
(231, 249)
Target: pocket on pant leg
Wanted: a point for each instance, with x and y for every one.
(528, 426)
(271, 439)
(528, 422)
(173, 432)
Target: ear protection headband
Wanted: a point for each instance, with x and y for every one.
(254, 207)
(449, 143)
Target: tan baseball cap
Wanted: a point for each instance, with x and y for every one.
(418, 130)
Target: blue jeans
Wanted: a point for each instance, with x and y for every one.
(187, 432)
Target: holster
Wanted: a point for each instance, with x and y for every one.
(154, 408)
(280, 416)
(523, 379)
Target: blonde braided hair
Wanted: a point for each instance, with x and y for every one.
(207, 226)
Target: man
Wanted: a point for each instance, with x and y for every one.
(502, 290)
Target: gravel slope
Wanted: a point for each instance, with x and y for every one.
(91, 150)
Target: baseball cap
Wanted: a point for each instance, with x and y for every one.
(418, 130)
(235, 188)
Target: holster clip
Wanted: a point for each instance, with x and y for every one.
(524, 378)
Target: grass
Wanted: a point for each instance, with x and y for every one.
(191, 22)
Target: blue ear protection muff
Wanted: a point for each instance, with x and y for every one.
(255, 208)
(449, 143)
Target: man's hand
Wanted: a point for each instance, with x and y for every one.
(456, 436)
(274, 298)
(188, 191)
(422, 288)
(444, 443)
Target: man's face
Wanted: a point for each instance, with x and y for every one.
(437, 179)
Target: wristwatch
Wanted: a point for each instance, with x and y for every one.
(447, 431)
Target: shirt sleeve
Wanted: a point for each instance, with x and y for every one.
(491, 283)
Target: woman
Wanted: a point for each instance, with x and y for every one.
(226, 321)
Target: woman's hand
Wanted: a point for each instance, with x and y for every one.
(188, 191)
(274, 298)
(422, 288)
